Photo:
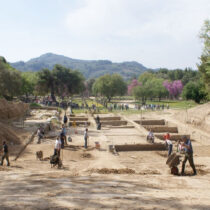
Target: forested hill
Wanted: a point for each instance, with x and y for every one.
(90, 69)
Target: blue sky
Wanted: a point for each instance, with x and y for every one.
(156, 33)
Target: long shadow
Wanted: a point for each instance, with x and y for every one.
(41, 192)
(82, 192)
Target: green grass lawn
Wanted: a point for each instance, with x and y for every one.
(180, 104)
(175, 103)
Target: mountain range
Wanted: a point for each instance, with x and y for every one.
(89, 68)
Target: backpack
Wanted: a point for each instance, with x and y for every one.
(69, 139)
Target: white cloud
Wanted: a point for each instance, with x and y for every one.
(149, 31)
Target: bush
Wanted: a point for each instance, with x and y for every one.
(35, 105)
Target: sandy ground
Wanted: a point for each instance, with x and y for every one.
(32, 184)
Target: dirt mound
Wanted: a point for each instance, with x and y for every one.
(86, 155)
(198, 116)
(7, 133)
(113, 171)
(4, 168)
(12, 110)
(149, 172)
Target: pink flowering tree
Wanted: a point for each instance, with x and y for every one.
(174, 88)
(134, 83)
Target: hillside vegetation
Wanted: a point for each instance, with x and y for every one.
(90, 69)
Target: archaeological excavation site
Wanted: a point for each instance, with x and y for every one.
(119, 169)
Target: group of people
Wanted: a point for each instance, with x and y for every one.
(184, 146)
(61, 140)
(116, 106)
(151, 107)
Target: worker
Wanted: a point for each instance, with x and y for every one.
(167, 136)
(40, 134)
(57, 146)
(188, 155)
(5, 154)
(65, 119)
(63, 133)
(150, 136)
(97, 119)
(168, 143)
(86, 137)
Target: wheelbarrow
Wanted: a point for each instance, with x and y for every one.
(173, 161)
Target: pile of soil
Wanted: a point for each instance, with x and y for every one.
(12, 110)
(151, 172)
(113, 171)
(4, 168)
(8, 134)
(86, 155)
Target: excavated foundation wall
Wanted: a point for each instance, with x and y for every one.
(46, 107)
(79, 123)
(150, 122)
(78, 119)
(161, 129)
(174, 137)
(140, 147)
(109, 118)
(114, 122)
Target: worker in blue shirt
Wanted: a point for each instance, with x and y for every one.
(5, 154)
(188, 154)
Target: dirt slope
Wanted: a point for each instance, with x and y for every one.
(11, 110)
(198, 116)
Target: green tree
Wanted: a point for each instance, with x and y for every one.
(141, 93)
(10, 80)
(46, 83)
(145, 77)
(29, 80)
(194, 91)
(204, 66)
(109, 86)
(60, 81)
(159, 91)
(90, 83)
(67, 82)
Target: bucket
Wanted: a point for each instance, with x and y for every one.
(97, 145)
(111, 148)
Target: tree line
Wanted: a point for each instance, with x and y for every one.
(62, 81)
